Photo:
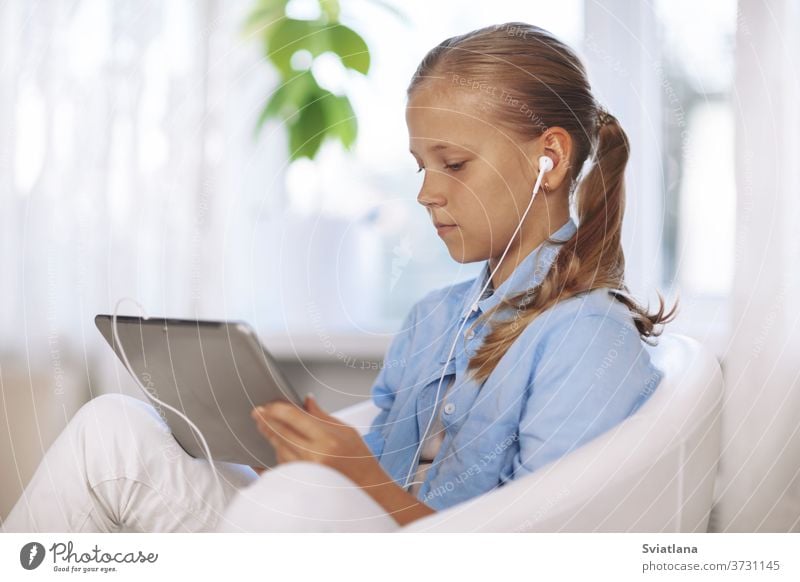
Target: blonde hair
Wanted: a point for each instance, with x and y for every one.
(541, 84)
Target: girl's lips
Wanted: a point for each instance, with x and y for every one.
(444, 229)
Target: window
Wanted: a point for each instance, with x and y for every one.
(698, 163)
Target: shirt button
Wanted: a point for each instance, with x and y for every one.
(470, 334)
(449, 408)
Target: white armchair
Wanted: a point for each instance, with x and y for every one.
(654, 472)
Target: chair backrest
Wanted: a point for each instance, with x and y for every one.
(653, 472)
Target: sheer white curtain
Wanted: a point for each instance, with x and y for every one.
(758, 487)
(128, 167)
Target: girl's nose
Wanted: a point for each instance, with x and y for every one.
(430, 198)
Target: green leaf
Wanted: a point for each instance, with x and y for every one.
(350, 47)
(330, 8)
(322, 115)
(342, 121)
(286, 99)
(289, 36)
(308, 131)
(311, 114)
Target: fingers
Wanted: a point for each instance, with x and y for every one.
(277, 432)
(282, 446)
(280, 423)
(301, 433)
(313, 407)
(310, 403)
(284, 455)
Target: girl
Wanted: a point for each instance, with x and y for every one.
(552, 356)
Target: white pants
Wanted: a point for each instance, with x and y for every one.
(116, 467)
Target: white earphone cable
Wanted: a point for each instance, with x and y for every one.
(545, 165)
(149, 395)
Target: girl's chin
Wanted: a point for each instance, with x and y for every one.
(458, 246)
(461, 255)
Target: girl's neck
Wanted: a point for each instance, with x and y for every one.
(521, 249)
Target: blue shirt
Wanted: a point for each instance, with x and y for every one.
(577, 370)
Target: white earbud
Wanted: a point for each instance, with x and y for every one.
(545, 164)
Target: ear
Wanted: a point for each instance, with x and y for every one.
(557, 144)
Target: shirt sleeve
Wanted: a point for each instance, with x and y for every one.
(589, 378)
(389, 378)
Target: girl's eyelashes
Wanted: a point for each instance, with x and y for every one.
(452, 167)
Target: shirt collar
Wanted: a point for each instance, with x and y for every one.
(529, 273)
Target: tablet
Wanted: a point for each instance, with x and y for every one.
(214, 372)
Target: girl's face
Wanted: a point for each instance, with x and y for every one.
(478, 176)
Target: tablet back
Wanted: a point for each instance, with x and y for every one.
(215, 372)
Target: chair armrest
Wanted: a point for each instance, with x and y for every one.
(578, 492)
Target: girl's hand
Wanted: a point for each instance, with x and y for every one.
(311, 434)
